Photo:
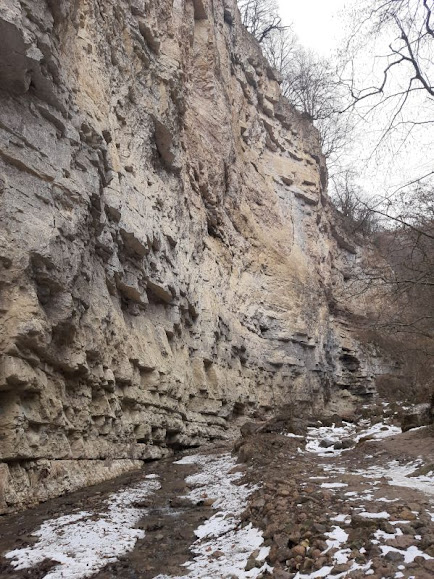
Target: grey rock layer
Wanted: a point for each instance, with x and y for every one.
(167, 252)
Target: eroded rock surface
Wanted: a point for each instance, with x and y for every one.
(167, 253)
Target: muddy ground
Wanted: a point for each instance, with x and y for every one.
(169, 524)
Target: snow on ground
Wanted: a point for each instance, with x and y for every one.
(223, 547)
(328, 572)
(342, 519)
(321, 441)
(215, 481)
(333, 469)
(383, 536)
(332, 433)
(395, 473)
(227, 555)
(378, 431)
(401, 475)
(335, 434)
(84, 542)
(336, 538)
(333, 485)
(409, 554)
(382, 515)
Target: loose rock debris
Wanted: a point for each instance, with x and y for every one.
(359, 511)
(295, 510)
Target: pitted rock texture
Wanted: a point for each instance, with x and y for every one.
(167, 251)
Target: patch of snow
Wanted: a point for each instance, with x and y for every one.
(342, 556)
(347, 430)
(382, 515)
(216, 482)
(327, 572)
(337, 537)
(399, 475)
(323, 572)
(379, 431)
(222, 548)
(235, 548)
(332, 433)
(152, 476)
(292, 435)
(409, 554)
(83, 543)
(191, 459)
(383, 536)
(341, 519)
(334, 485)
(332, 469)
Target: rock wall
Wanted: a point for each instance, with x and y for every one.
(166, 252)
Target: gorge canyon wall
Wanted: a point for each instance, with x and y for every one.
(167, 249)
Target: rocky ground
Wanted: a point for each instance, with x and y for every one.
(336, 499)
(345, 513)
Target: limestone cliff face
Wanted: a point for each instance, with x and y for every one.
(166, 249)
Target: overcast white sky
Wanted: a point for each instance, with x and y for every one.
(316, 22)
(320, 25)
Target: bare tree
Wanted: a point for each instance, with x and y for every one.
(350, 200)
(311, 83)
(261, 17)
(401, 270)
(280, 47)
(399, 95)
(409, 281)
(400, 85)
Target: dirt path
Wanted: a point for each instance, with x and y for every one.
(301, 508)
